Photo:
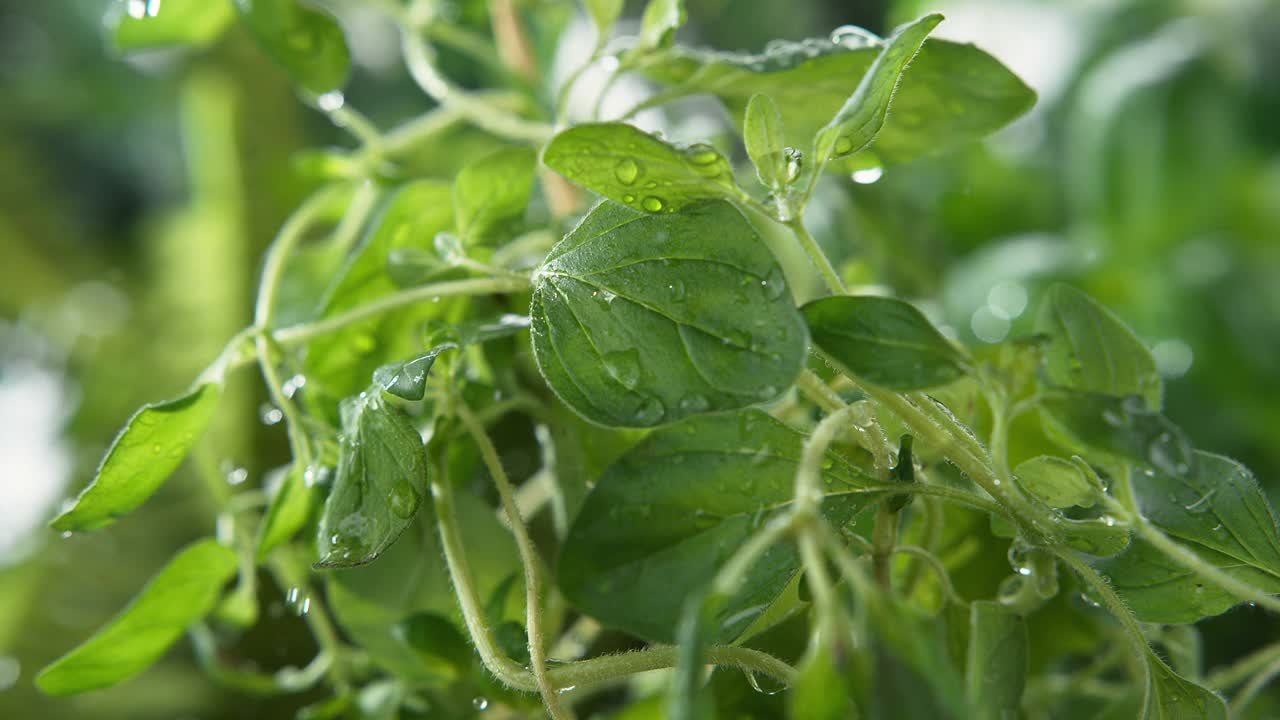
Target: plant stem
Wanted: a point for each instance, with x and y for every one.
(1253, 687)
(528, 557)
(884, 535)
(290, 572)
(1241, 670)
(819, 259)
(808, 488)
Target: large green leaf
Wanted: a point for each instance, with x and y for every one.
(643, 319)
(306, 42)
(379, 486)
(144, 26)
(492, 192)
(1221, 514)
(950, 95)
(863, 115)
(142, 457)
(182, 593)
(883, 341)
(996, 668)
(666, 515)
(1093, 350)
(339, 364)
(1173, 697)
(630, 166)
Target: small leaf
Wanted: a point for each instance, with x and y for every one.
(492, 191)
(1101, 537)
(142, 457)
(380, 483)
(632, 167)
(1221, 514)
(823, 688)
(996, 669)
(1122, 427)
(306, 42)
(290, 508)
(1093, 350)
(659, 23)
(884, 341)
(408, 380)
(150, 25)
(182, 593)
(1173, 697)
(640, 320)
(762, 134)
(604, 13)
(863, 115)
(1059, 483)
(669, 512)
(951, 95)
(437, 643)
(904, 471)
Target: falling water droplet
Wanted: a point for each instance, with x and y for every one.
(270, 414)
(480, 703)
(866, 176)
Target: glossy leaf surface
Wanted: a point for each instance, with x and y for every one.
(640, 320)
(884, 341)
(306, 42)
(182, 593)
(665, 516)
(1059, 483)
(632, 167)
(863, 115)
(142, 457)
(380, 483)
(1123, 427)
(762, 135)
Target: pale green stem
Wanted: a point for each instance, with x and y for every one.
(1243, 668)
(419, 60)
(808, 487)
(944, 578)
(818, 391)
(819, 259)
(529, 558)
(289, 574)
(1253, 687)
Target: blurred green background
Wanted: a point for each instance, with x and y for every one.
(137, 195)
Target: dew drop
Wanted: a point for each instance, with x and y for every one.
(702, 154)
(867, 176)
(844, 145)
(403, 499)
(627, 171)
(853, 37)
(331, 101)
(652, 204)
(774, 285)
(677, 290)
(624, 366)
(650, 412)
(694, 403)
(480, 703)
(270, 414)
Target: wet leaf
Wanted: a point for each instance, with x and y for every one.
(408, 380)
(144, 455)
(861, 118)
(762, 134)
(1093, 350)
(184, 591)
(632, 167)
(1221, 514)
(1057, 482)
(640, 320)
(666, 515)
(884, 341)
(379, 486)
(146, 26)
(1123, 427)
(1173, 697)
(306, 42)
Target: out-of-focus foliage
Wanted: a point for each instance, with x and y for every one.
(136, 198)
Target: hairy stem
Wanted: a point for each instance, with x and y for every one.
(819, 259)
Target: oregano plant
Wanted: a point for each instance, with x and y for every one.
(567, 439)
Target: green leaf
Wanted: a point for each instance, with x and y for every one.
(659, 23)
(951, 95)
(669, 512)
(436, 641)
(1221, 514)
(146, 26)
(289, 510)
(913, 675)
(1173, 697)
(182, 593)
(644, 319)
(380, 483)
(884, 341)
(339, 364)
(822, 689)
(306, 42)
(604, 13)
(762, 134)
(1124, 428)
(408, 380)
(632, 167)
(1093, 350)
(492, 192)
(996, 668)
(144, 455)
(863, 115)
(1057, 482)
(1101, 537)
